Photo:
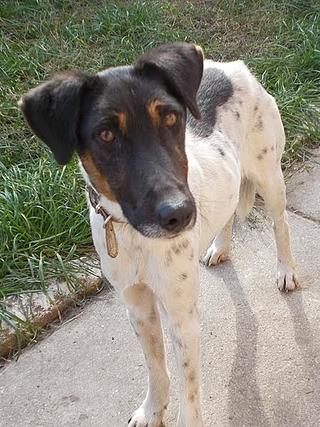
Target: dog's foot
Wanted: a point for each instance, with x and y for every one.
(216, 255)
(142, 418)
(287, 278)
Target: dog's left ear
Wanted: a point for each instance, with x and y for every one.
(181, 65)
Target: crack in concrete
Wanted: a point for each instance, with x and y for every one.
(303, 215)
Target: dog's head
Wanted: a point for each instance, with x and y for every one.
(127, 125)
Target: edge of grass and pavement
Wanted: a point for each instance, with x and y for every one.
(43, 214)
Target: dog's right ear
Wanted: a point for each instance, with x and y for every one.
(53, 109)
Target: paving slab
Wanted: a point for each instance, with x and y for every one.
(260, 349)
(304, 188)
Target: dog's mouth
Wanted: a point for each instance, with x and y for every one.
(166, 220)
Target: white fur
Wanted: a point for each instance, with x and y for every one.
(150, 274)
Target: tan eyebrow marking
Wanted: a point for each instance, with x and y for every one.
(122, 121)
(153, 111)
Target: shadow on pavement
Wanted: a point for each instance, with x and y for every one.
(244, 400)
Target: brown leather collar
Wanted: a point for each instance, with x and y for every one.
(111, 239)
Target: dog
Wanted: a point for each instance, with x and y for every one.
(170, 148)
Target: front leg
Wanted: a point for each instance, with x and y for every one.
(144, 318)
(180, 307)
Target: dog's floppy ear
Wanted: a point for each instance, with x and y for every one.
(52, 111)
(181, 65)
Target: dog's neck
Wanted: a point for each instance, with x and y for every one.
(95, 200)
(108, 220)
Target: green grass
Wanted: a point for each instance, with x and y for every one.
(41, 222)
(44, 224)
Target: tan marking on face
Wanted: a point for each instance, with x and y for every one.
(98, 180)
(153, 111)
(182, 159)
(122, 121)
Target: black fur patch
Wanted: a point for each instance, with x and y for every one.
(215, 90)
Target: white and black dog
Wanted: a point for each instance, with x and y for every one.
(170, 147)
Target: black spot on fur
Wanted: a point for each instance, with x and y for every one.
(215, 90)
(183, 276)
(222, 153)
(256, 108)
(237, 115)
(178, 247)
(260, 156)
(259, 123)
(265, 150)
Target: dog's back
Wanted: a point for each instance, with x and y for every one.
(237, 142)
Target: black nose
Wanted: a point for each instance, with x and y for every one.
(175, 217)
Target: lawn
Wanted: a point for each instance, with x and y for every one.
(43, 215)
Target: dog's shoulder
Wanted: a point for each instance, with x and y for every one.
(223, 85)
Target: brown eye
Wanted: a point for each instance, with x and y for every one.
(170, 119)
(106, 136)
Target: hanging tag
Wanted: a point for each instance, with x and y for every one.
(111, 240)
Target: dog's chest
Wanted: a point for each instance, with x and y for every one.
(128, 267)
(143, 260)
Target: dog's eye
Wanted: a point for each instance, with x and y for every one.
(170, 119)
(106, 136)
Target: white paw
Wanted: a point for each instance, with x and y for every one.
(141, 418)
(215, 255)
(287, 278)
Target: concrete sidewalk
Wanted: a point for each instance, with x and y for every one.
(260, 349)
